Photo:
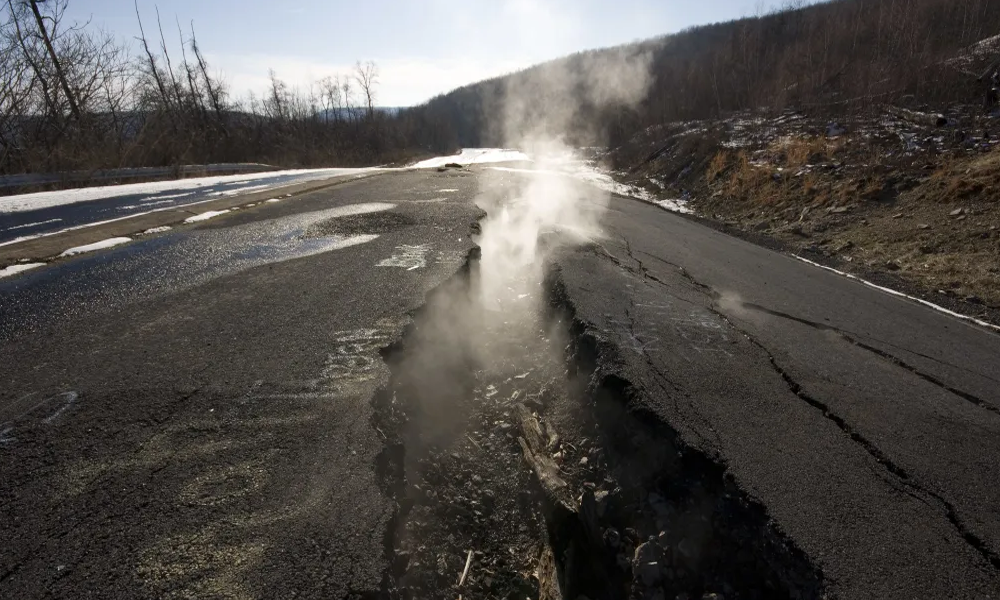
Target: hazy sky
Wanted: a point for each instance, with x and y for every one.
(422, 48)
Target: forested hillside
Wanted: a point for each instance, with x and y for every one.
(75, 97)
(844, 55)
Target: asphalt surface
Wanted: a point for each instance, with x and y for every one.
(190, 415)
(866, 424)
(46, 220)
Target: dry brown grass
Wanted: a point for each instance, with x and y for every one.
(749, 182)
(798, 152)
(963, 178)
(717, 165)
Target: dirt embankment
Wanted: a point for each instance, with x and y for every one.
(905, 195)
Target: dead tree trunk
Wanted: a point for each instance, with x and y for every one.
(43, 32)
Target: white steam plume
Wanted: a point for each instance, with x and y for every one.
(542, 108)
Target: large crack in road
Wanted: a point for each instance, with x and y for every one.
(520, 467)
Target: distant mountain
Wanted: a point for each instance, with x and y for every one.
(839, 55)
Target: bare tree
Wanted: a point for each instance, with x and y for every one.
(60, 6)
(153, 67)
(366, 74)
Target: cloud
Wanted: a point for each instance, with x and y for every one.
(402, 81)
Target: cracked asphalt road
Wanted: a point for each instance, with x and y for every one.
(190, 416)
(866, 424)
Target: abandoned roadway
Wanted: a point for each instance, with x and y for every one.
(190, 415)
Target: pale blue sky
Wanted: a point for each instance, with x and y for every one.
(422, 48)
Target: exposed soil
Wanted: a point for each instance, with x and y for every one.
(908, 194)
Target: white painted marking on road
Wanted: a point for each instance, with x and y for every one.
(101, 245)
(156, 199)
(144, 204)
(37, 200)
(25, 238)
(205, 216)
(68, 399)
(408, 257)
(5, 435)
(15, 269)
(893, 292)
(32, 224)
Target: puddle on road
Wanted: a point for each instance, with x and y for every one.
(183, 259)
(298, 244)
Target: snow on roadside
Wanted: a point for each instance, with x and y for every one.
(15, 269)
(205, 216)
(160, 229)
(473, 156)
(674, 205)
(101, 245)
(37, 200)
(591, 175)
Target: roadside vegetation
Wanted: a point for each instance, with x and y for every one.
(75, 97)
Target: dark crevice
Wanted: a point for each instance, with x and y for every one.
(846, 336)
(915, 489)
(974, 541)
(655, 484)
(877, 351)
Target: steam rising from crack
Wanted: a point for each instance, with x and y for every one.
(495, 317)
(530, 216)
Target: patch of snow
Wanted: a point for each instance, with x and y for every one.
(15, 269)
(893, 292)
(205, 216)
(37, 200)
(447, 190)
(157, 230)
(591, 175)
(101, 245)
(273, 200)
(674, 205)
(473, 156)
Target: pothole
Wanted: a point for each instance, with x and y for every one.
(367, 223)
